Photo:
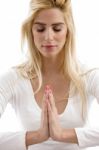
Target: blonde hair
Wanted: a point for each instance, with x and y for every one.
(70, 66)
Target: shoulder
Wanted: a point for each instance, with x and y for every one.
(93, 76)
(90, 74)
(10, 76)
(89, 71)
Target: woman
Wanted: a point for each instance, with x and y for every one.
(51, 92)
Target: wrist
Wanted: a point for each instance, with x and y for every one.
(33, 137)
(69, 136)
(42, 135)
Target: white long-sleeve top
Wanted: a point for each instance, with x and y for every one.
(17, 91)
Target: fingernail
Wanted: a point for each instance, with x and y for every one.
(50, 91)
(47, 87)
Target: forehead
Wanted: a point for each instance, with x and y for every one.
(50, 15)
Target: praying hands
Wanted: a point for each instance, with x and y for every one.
(50, 126)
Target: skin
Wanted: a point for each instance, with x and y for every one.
(49, 38)
(53, 120)
(49, 34)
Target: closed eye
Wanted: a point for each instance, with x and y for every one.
(41, 30)
(40, 27)
(56, 30)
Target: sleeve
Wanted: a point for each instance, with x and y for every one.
(12, 141)
(9, 141)
(88, 136)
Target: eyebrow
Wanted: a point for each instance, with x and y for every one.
(40, 23)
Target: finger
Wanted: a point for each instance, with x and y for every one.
(44, 107)
(45, 97)
(49, 107)
(49, 111)
(44, 116)
(51, 99)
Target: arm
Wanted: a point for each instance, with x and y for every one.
(12, 141)
(34, 137)
(84, 137)
(89, 136)
(42, 134)
(19, 140)
(69, 136)
(9, 140)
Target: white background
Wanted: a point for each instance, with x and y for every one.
(13, 12)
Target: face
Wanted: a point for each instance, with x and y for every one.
(49, 32)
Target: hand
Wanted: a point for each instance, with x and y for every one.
(44, 127)
(50, 125)
(55, 128)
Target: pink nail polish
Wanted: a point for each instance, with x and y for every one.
(50, 91)
(47, 87)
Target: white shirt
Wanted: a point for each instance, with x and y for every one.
(17, 91)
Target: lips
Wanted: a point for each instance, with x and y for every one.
(49, 46)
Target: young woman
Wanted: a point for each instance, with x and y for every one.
(51, 92)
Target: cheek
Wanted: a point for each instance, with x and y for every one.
(62, 37)
(36, 38)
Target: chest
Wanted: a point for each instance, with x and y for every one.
(60, 89)
(28, 106)
(29, 112)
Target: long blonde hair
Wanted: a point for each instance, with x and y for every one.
(70, 66)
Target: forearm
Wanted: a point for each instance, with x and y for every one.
(33, 137)
(69, 136)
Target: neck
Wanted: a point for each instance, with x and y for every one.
(52, 66)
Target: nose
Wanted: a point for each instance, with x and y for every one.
(49, 35)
